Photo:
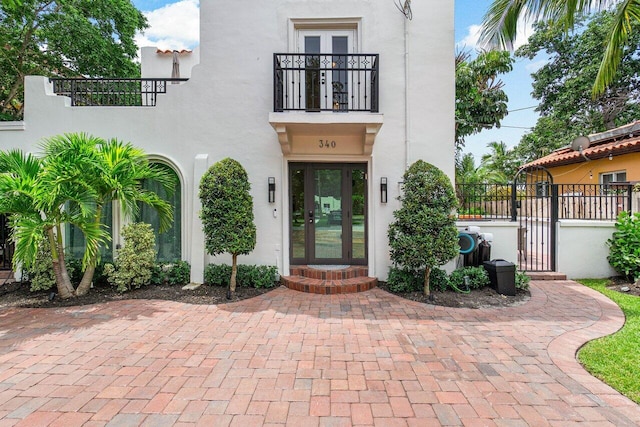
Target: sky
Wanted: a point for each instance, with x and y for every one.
(175, 25)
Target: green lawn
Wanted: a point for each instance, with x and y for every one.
(616, 359)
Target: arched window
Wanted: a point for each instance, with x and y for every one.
(74, 239)
(169, 243)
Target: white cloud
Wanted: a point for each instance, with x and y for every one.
(471, 39)
(174, 26)
(534, 66)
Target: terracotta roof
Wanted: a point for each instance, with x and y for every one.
(622, 140)
(168, 51)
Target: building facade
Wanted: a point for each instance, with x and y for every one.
(325, 104)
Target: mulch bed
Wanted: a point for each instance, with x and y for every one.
(18, 295)
(477, 298)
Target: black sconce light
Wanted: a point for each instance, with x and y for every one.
(383, 189)
(272, 189)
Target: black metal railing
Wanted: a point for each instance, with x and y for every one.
(112, 92)
(325, 82)
(571, 201)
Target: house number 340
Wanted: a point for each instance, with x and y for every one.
(325, 143)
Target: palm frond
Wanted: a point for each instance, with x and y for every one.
(627, 11)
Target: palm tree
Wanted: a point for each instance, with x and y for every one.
(34, 193)
(114, 170)
(501, 21)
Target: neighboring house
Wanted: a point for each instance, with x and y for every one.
(326, 100)
(607, 157)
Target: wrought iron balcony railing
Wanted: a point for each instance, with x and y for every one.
(325, 82)
(112, 92)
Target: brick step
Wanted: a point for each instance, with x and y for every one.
(318, 272)
(329, 287)
(546, 275)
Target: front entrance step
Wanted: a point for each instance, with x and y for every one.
(546, 275)
(327, 280)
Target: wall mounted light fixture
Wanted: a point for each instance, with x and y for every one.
(272, 189)
(383, 189)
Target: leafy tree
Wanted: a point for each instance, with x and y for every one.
(480, 101)
(500, 27)
(34, 193)
(67, 38)
(423, 234)
(499, 165)
(78, 175)
(227, 213)
(563, 85)
(114, 170)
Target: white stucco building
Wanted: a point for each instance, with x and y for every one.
(328, 101)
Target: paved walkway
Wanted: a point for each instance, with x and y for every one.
(289, 358)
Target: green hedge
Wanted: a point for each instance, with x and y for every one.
(254, 276)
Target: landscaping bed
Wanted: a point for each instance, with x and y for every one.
(476, 298)
(18, 295)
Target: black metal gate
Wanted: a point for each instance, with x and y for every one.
(534, 200)
(6, 246)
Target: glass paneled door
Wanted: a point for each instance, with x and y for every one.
(326, 78)
(328, 213)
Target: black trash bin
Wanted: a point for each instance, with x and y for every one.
(502, 275)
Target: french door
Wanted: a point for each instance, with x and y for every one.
(326, 71)
(328, 205)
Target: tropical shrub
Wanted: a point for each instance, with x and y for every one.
(255, 276)
(41, 273)
(522, 281)
(404, 280)
(174, 273)
(134, 265)
(477, 278)
(624, 245)
(423, 234)
(439, 280)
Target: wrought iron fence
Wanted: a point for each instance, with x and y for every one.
(112, 92)
(325, 82)
(571, 201)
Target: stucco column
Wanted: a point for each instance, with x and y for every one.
(196, 236)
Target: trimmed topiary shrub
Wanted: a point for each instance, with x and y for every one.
(135, 262)
(227, 212)
(423, 234)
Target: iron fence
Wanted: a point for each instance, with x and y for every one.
(569, 201)
(112, 92)
(325, 82)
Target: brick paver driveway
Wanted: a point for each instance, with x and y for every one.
(289, 358)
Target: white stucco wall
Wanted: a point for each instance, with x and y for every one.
(156, 64)
(582, 248)
(223, 111)
(505, 237)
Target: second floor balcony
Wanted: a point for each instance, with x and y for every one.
(113, 92)
(316, 82)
